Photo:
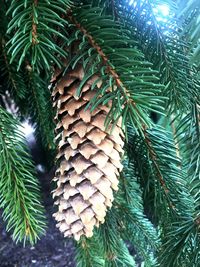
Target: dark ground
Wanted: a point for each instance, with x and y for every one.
(51, 251)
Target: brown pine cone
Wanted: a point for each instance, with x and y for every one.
(88, 157)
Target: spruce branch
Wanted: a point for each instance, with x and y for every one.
(181, 245)
(89, 252)
(40, 108)
(174, 132)
(116, 253)
(162, 155)
(136, 227)
(179, 203)
(19, 188)
(121, 66)
(35, 25)
(164, 46)
(135, 64)
(188, 137)
(152, 156)
(176, 210)
(189, 16)
(11, 79)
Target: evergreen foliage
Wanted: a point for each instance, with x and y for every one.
(35, 25)
(191, 10)
(151, 64)
(19, 187)
(40, 109)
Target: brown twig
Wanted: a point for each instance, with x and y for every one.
(175, 139)
(34, 27)
(153, 157)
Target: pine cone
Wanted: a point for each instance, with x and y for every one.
(88, 157)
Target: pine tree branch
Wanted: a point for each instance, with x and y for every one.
(188, 136)
(163, 156)
(161, 43)
(178, 222)
(19, 193)
(152, 154)
(174, 131)
(116, 253)
(135, 226)
(189, 17)
(35, 25)
(166, 164)
(105, 60)
(10, 78)
(40, 108)
(89, 252)
(119, 64)
(181, 245)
